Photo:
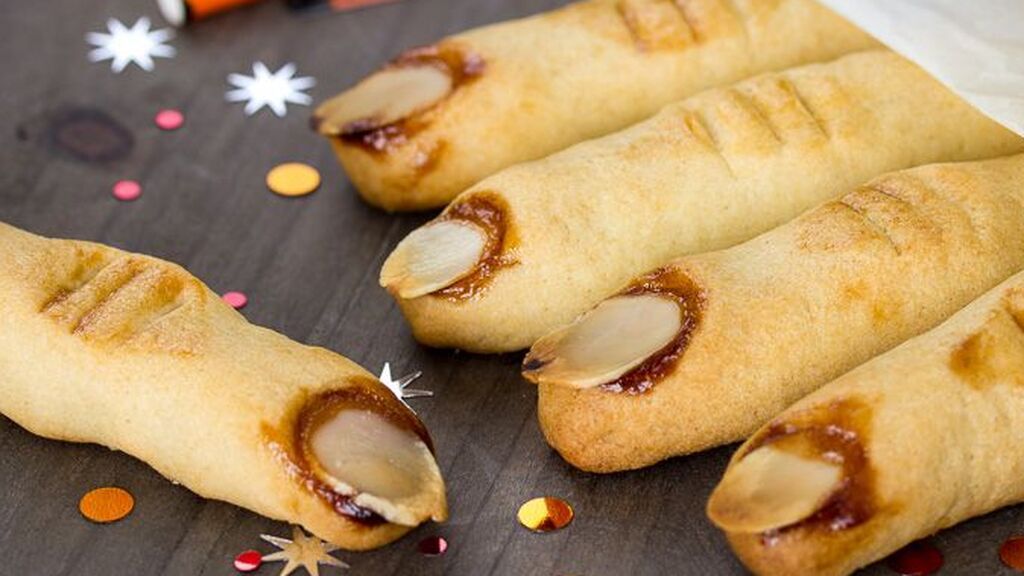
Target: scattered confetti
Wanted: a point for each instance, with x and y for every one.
(545, 514)
(169, 119)
(293, 179)
(124, 46)
(302, 550)
(398, 387)
(127, 190)
(916, 559)
(236, 300)
(1012, 553)
(273, 90)
(432, 546)
(107, 504)
(248, 561)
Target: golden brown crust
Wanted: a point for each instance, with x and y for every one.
(134, 353)
(798, 306)
(535, 95)
(942, 448)
(703, 174)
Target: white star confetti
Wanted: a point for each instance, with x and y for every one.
(398, 387)
(273, 90)
(302, 551)
(124, 46)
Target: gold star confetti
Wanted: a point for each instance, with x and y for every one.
(302, 551)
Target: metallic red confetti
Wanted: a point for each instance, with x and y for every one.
(432, 546)
(916, 559)
(248, 561)
(1012, 553)
(127, 190)
(236, 300)
(169, 119)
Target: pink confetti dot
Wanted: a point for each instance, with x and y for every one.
(169, 119)
(236, 300)
(248, 561)
(127, 190)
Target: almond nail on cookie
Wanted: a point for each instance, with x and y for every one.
(911, 442)
(707, 348)
(437, 119)
(532, 247)
(134, 353)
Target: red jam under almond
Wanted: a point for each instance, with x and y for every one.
(678, 286)
(460, 65)
(836, 432)
(489, 212)
(296, 452)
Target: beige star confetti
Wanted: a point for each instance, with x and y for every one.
(302, 551)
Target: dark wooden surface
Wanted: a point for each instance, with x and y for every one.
(309, 266)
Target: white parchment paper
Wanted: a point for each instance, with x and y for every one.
(975, 47)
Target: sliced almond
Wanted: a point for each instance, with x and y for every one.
(433, 257)
(387, 469)
(770, 488)
(605, 343)
(388, 96)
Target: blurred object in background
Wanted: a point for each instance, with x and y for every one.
(353, 4)
(181, 12)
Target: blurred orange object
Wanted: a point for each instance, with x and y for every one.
(180, 12)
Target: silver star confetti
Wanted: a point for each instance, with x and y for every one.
(124, 46)
(303, 551)
(399, 387)
(273, 90)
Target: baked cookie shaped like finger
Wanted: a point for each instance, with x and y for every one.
(134, 353)
(706, 349)
(531, 248)
(914, 441)
(437, 119)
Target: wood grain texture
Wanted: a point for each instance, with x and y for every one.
(309, 266)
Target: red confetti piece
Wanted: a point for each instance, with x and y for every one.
(432, 546)
(1012, 553)
(127, 190)
(236, 300)
(916, 559)
(169, 119)
(248, 561)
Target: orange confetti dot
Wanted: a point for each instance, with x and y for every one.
(107, 504)
(293, 179)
